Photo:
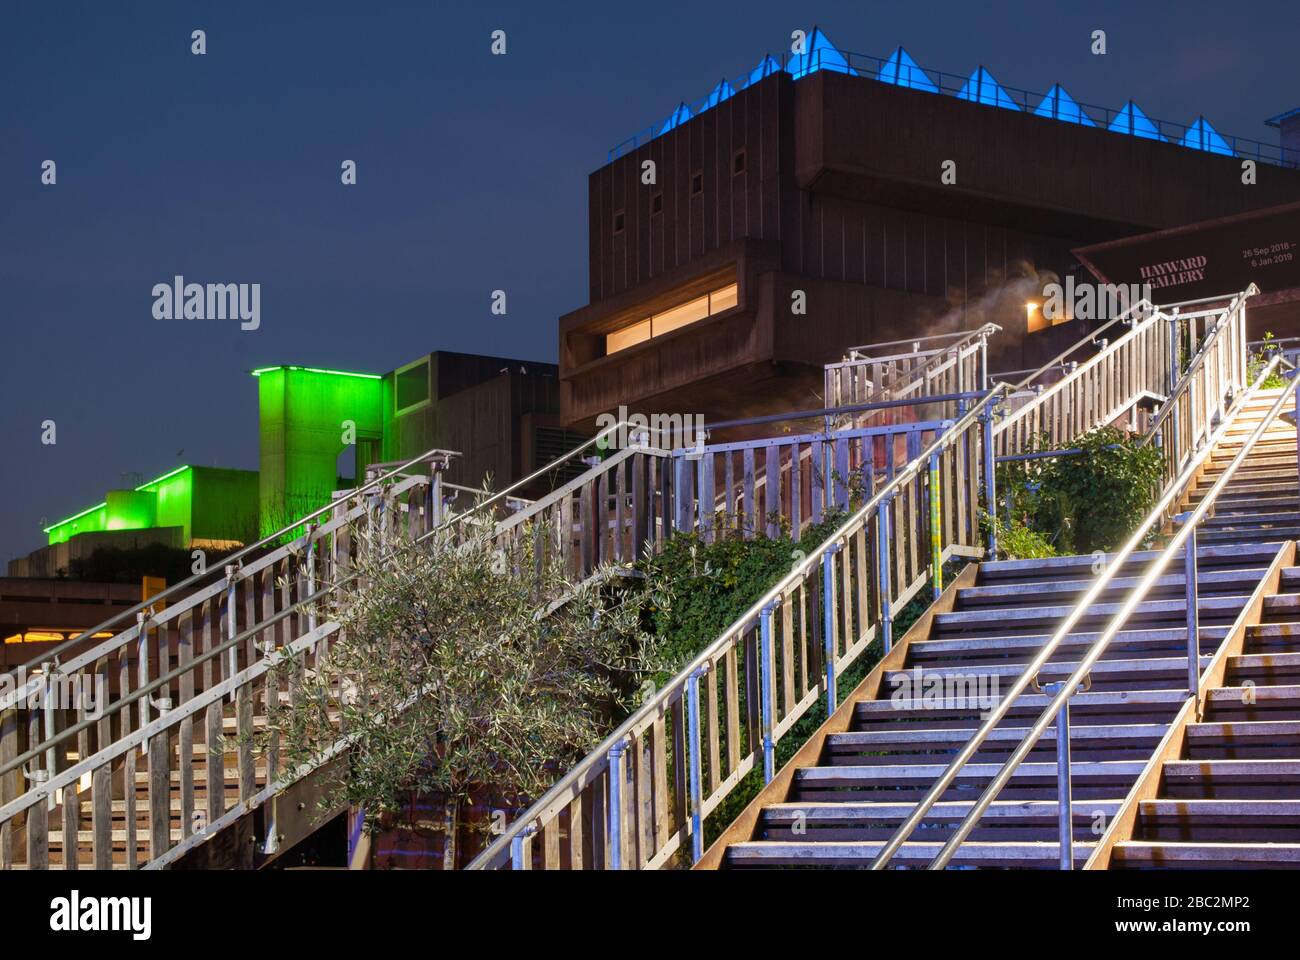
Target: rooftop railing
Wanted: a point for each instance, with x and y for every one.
(1197, 135)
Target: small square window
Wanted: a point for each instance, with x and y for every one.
(738, 162)
(657, 204)
(697, 183)
(619, 221)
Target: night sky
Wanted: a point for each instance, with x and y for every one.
(471, 177)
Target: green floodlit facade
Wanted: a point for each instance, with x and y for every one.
(318, 431)
(207, 504)
(306, 418)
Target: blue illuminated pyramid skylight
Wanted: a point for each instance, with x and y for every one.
(1202, 136)
(1059, 105)
(721, 92)
(679, 116)
(902, 70)
(821, 55)
(982, 88)
(1133, 121)
(768, 66)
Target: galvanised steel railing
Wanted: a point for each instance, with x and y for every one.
(258, 604)
(643, 794)
(1190, 136)
(584, 820)
(943, 363)
(1136, 364)
(1215, 374)
(1184, 540)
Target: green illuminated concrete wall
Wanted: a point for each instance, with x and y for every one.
(205, 503)
(302, 420)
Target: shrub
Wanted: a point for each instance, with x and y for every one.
(1087, 501)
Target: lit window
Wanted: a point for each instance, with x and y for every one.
(627, 337)
(723, 299)
(674, 318)
(678, 317)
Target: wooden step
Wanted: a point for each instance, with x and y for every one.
(906, 745)
(1031, 780)
(1206, 856)
(1003, 621)
(1015, 820)
(1243, 740)
(1224, 704)
(1220, 821)
(1272, 669)
(1268, 779)
(1125, 645)
(1123, 706)
(1209, 583)
(767, 853)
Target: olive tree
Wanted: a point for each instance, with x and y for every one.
(462, 665)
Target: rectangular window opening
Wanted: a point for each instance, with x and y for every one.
(674, 318)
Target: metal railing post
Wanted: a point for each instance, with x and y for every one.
(693, 760)
(990, 480)
(882, 574)
(765, 676)
(51, 758)
(1064, 802)
(517, 847)
(936, 527)
(231, 632)
(312, 526)
(616, 804)
(828, 623)
(1064, 812)
(1193, 613)
(1175, 448)
(142, 660)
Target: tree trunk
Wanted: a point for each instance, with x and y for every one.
(449, 844)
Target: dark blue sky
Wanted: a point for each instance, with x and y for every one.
(472, 176)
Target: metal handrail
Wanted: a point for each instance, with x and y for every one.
(963, 337)
(1224, 322)
(233, 558)
(656, 703)
(1126, 317)
(239, 555)
(1067, 688)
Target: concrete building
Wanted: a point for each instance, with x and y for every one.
(831, 199)
(318, 430)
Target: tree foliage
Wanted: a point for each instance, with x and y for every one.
(1087, 501)
(462, 666)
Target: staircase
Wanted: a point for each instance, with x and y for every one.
(169, 774)
(620, 808)
(1225, 793)
(1260, 504)
(1154, 783)
(850, 788)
